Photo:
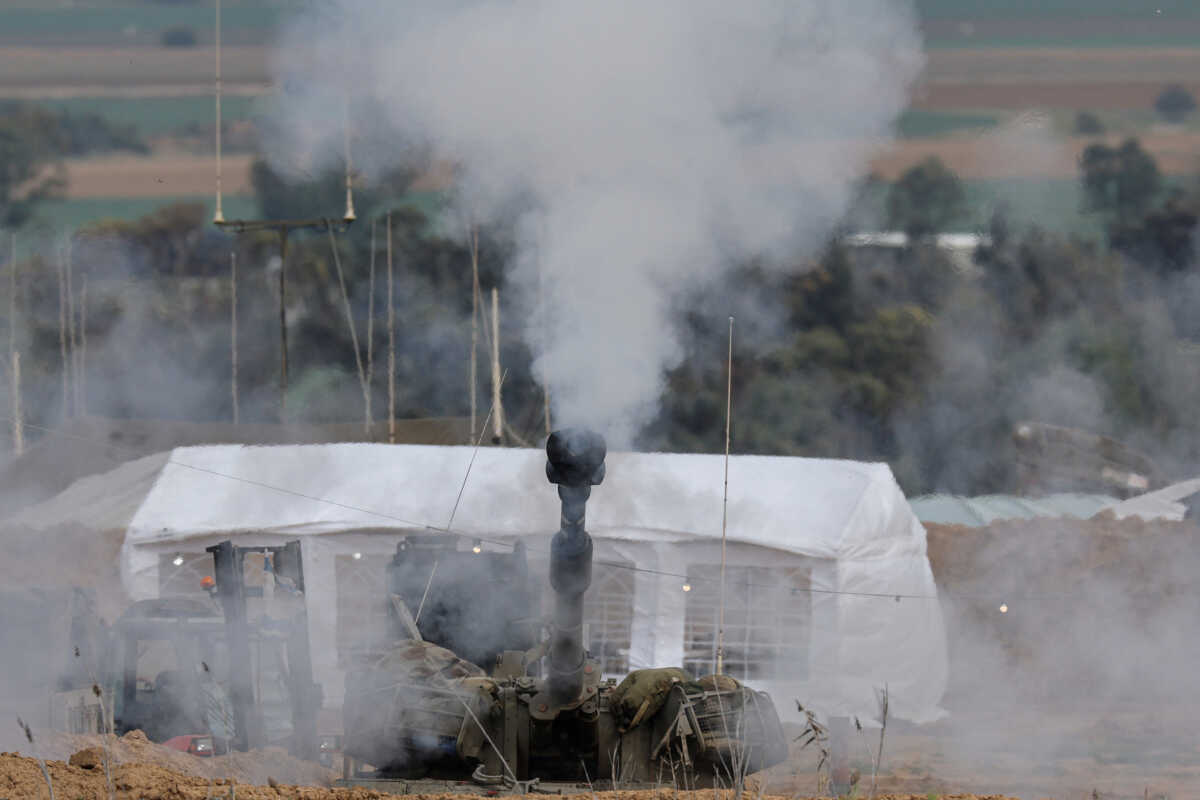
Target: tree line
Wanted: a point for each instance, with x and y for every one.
(902, 355)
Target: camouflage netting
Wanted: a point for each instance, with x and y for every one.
(650, 688)
(646, 688)
(409, 705)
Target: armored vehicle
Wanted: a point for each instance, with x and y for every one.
(472, 693)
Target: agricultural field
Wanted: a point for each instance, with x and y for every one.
(989, 66)
(1058, 23)
(133, 71)
(129, 22)
(156, 117)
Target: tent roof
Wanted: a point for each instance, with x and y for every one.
(815, 507)
(92, 445)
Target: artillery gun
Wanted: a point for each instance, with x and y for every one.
(424, 716)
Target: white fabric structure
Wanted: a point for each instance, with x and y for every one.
(836, 540)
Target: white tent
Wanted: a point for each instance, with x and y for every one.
(829, 591)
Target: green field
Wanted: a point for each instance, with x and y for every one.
(1053, 204)
(157, 116)
(916, 123)
(59, 216)
(1174, 39)
(1060, 23)
(247, 21)
(1035, 9)
(1049, 203)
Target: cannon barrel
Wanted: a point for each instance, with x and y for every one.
(575, 462)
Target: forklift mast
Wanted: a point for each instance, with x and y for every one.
(305, 696)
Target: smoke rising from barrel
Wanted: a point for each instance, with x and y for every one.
(642, 146)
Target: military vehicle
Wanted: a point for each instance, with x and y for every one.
(472, 696)
(195, 672)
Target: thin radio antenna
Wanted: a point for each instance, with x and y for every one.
(282, 227)
(349, 216)
(725, 503)
(218, 215)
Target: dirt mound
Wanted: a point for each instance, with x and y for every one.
(254, 767)
(22, 777)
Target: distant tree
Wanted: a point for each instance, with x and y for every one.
(27, 171)
(1164, 240)
(927, 199)
(1088, 124)
(1175, 103)
(1122, 182)
(324, 194)
(180, 36)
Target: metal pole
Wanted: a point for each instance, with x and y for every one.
(349, 215)
(81, 376)
(473, 379)
(391, 339)
(218, 215)
(73, 350)
(283, 340)
(725, 505)
(18, 426)
(62, 337)
(498, 410)
(370, 339)
(233, 335)
(12, 297)
(14, 358)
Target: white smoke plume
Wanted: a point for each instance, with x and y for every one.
(641, 146)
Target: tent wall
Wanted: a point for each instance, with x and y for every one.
(846, 525)
(845, 635)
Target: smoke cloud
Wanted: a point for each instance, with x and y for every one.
(641, 146)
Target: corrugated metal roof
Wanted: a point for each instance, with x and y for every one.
(945, 509)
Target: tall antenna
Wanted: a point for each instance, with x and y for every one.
(349, 216)
(391, 321)
(497, 378)
(474, 366)
(218, 215)
(725, 503)
(62, 333)
(283, 227)
(81, 377)
(233, 334)
(14, 357)
(12, 295)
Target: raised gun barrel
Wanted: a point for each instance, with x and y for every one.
(575, 462)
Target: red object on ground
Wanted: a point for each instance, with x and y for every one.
(196, 744)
